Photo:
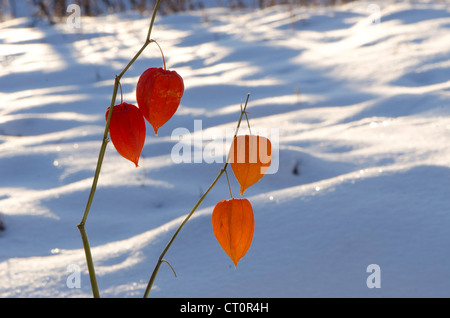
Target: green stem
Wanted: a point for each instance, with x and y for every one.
(160, 259)
(81, 225)
(90, 264)
(229, 186)
(164, 60)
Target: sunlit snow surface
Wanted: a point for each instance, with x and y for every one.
(362, 112)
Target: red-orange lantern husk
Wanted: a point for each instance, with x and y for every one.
(233, 225)
(158, 95)
(250, 158)
(127, 131)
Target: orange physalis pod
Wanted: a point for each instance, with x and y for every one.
(127, 131)
(158, 94)
(233, 225)
(250, 158)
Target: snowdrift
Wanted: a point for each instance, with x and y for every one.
(361, 111)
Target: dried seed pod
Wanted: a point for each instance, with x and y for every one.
(158, 95)
(250, 158)
(127, 131)
(233, 225)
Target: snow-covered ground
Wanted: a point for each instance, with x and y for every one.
(362, 111)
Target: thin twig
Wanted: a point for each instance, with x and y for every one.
(248, 123)
(163, 260)
(81, 225)
(229, 186)
(164, 60)
(121, 93)
(160, 259)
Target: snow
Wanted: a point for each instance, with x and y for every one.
(359, 109)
